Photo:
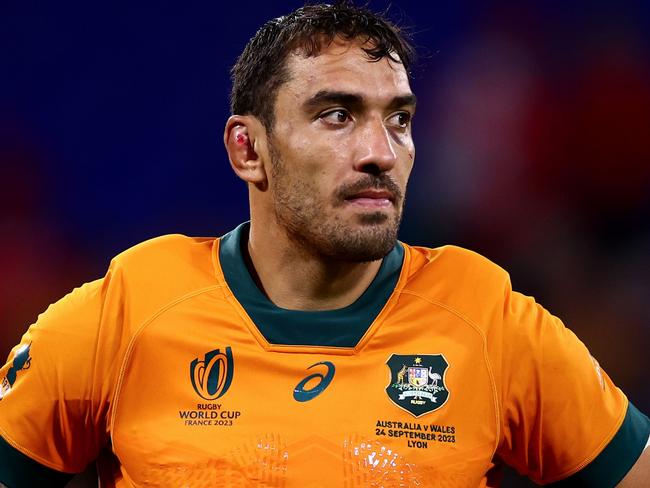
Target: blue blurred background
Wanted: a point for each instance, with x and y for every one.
(532, 134)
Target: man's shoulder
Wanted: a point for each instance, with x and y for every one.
(453, 264)
(456, 278)
(166, 267)
(168, 243)
(168, 252)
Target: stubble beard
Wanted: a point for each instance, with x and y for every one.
(309, 225)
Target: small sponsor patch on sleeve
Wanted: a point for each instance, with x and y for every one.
(21, 361)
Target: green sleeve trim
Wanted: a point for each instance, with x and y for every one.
(614, 462)
(20, 471)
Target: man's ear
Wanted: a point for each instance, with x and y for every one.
(245, 141)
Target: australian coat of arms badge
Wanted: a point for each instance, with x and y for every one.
(417, 382)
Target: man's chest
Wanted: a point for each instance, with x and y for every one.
(204, 402)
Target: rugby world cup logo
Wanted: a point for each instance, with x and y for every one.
(211, 377)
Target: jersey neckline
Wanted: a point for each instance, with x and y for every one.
(342, 327)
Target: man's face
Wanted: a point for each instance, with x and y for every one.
(342, 152)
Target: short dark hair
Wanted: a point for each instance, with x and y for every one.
(261, 69)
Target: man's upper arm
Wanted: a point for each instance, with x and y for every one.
(54, 390)
(620, 459)
(564, 421)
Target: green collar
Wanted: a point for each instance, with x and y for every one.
(343, 327)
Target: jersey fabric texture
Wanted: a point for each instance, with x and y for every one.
(176, 370)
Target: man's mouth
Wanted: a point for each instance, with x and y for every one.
(372, 198)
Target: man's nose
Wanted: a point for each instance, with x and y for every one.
(376, 153)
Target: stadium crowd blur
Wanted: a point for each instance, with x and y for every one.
(532, 135)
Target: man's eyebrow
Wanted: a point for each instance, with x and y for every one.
(353, 100)
(409, 100)
(327, 97)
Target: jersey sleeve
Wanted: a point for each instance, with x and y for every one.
(562, 416)
(56, 385)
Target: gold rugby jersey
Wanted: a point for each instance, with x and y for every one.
(175, 370)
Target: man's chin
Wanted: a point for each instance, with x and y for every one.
(373, 218)
(365, 244)
(359, 238)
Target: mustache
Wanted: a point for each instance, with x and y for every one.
(377, 182)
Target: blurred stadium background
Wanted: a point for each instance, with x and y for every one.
(532, 133)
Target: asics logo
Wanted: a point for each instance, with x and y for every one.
(304, 392)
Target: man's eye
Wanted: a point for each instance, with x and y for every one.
(401, 119)
(336, 117)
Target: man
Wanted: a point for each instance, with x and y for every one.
(309, 347)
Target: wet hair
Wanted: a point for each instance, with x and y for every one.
(261, 69)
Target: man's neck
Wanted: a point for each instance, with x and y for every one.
(296, 279)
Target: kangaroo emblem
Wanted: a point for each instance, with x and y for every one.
(400, 375)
